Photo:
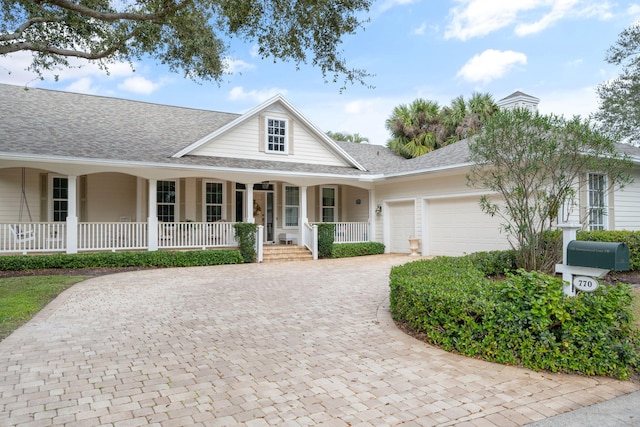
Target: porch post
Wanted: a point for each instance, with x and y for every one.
(250, 218)
(303, 215)
(152, 219)
(72, 214)
(372, 216)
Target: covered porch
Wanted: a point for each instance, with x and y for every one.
(48, 212)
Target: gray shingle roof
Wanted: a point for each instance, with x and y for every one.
(63, 124)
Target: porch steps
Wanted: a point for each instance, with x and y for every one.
(277, 253)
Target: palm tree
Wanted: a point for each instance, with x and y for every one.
(349, 137)
(416, 128)
(481, 106)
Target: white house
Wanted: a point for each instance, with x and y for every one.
(87, 173)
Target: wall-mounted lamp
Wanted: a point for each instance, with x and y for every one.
(379, 209)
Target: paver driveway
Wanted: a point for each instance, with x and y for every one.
(274, 344)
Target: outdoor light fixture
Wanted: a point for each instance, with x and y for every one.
(265, 185)
(379, 209)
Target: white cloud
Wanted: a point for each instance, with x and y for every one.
(490, 65)
(477, 18)
(82, 85)
(138, 85)
(233, 65)
(420, 30)
(390, 4)
(256, 96)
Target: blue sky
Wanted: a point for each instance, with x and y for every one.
(432, 49)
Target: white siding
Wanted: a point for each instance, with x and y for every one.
(627, 205)
(351, 211)
(10, 195)
(243, 142)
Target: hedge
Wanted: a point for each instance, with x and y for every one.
(121, 259)
(523, 320)
(346, 250)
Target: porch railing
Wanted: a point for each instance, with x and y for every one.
(350, 232)
(97, 236)
(33, 237)
(196, 234)
(310, 238)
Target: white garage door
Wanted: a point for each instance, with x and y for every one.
(401, 225)
(457, 226)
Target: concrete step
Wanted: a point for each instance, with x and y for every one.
(286, 253)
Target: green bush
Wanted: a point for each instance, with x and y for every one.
(246, 238)
(631, 238)
(494, 263)
(325, 239)
(121, 259)
(524, 320)
(346, 250)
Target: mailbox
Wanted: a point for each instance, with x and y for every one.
(605, 255)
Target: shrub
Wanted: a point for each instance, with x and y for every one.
(346, 250)
(325, 239)
(246, 238)
(121, 259)
(524, 320)
(494, 263)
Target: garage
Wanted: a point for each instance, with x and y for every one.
(457, 226)
(401, 225)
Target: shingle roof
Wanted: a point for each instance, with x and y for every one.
(63, 124)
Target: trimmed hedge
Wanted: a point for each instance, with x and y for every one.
(325, 239)
(246, 238)
(346, 250)
(523, 320)
(121, 259)
(494, 263)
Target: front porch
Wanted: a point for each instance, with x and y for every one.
(61, 237)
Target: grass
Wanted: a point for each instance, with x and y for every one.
(22, 297)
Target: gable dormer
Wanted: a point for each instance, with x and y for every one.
(273, 131)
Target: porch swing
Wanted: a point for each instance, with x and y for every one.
(23, 234)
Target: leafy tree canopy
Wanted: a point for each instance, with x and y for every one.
(534, 163)
(348, 137)
(619, 111)
(424, 126)
(187, 35)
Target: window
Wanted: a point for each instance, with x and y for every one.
(597, 199)
(213, 201)
(166, 199)
(276, 136)
(328, 204)
(60, 198)
(291, 206)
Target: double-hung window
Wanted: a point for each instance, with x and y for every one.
(60, 198)
(166, 201)
(291, 206)
(328, 203)
(213, 200)
(276, 136)
(597, 201)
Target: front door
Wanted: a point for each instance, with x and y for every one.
(264, 209)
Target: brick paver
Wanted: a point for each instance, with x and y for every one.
(286, 344)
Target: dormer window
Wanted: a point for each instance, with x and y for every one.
(276, 136)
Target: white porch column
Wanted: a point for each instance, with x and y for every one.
(139, 198)
(304, 217)
(72, 214)
(372, 216)
(250, 218)
(152, 219)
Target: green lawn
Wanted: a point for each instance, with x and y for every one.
(22, 297)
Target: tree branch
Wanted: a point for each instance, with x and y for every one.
(118, 16)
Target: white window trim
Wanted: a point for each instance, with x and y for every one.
(176, 203)
(335, 207)
(50, 195)
(285, 206)
(204, 199)
(605, 199)
(286, 136)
